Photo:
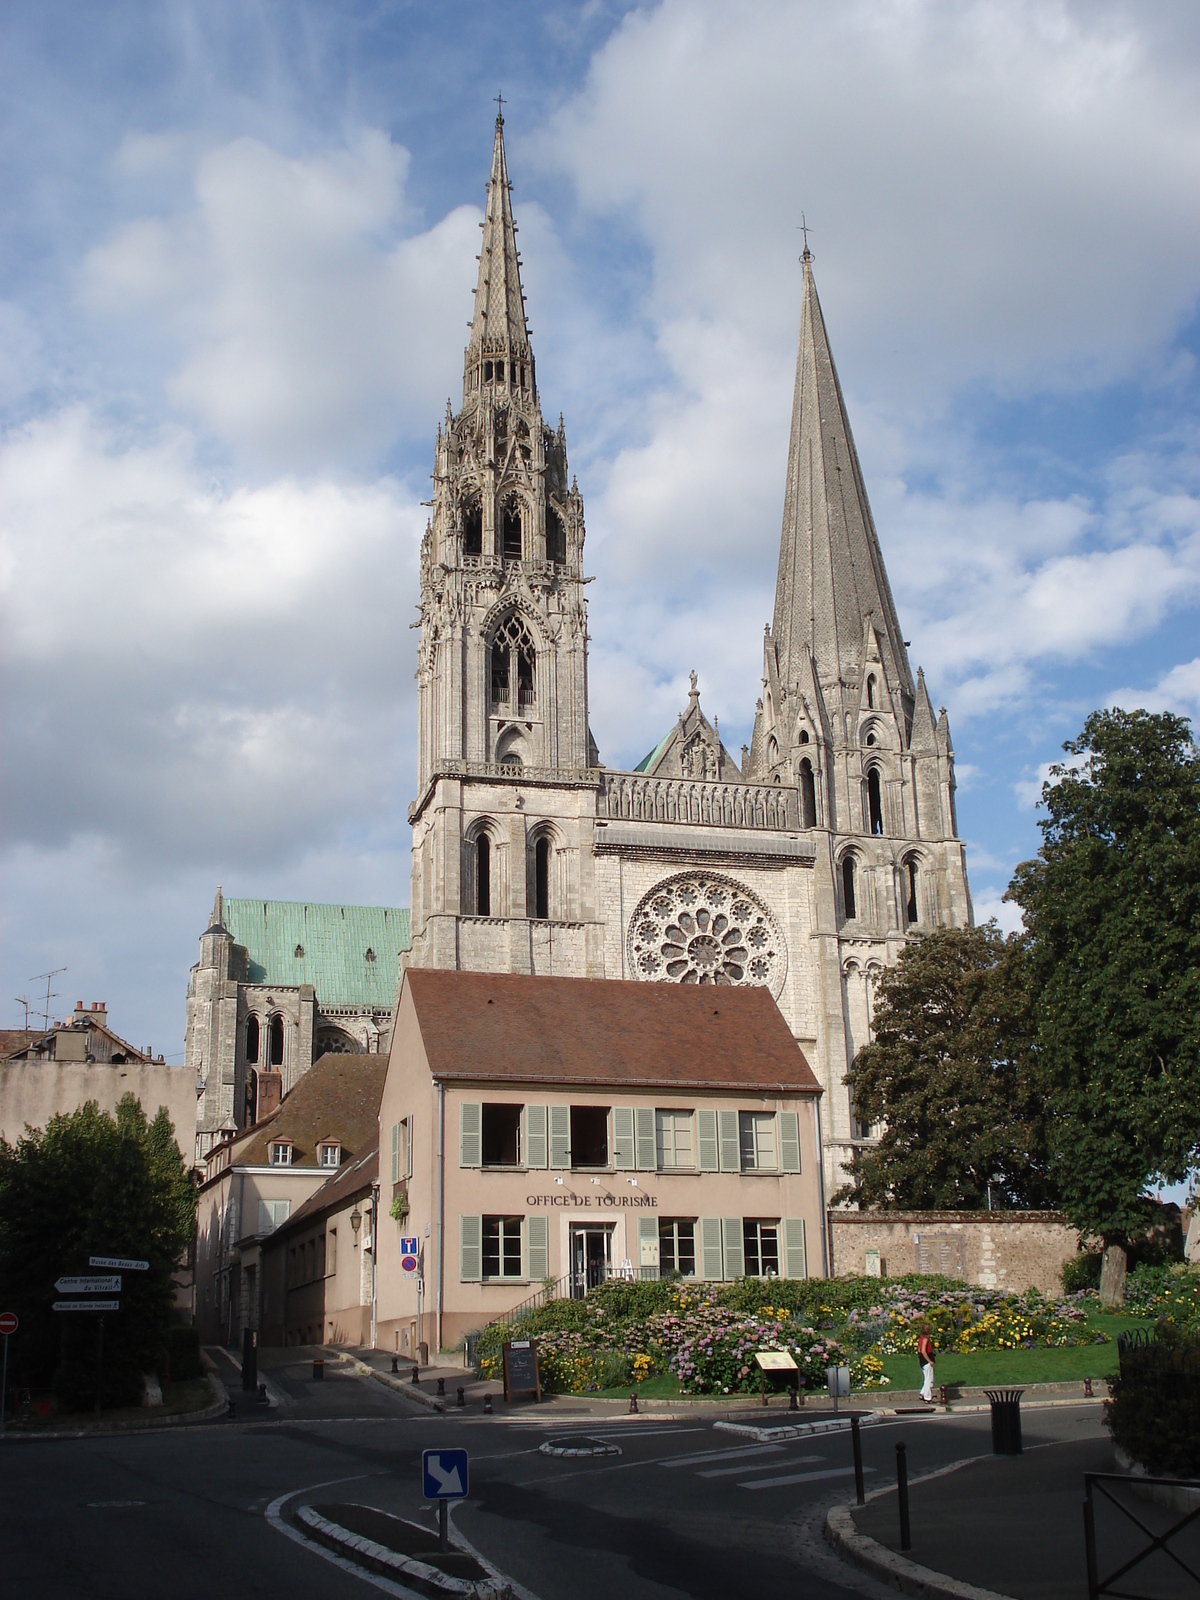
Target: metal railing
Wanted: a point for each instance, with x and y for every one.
(1157, 1543)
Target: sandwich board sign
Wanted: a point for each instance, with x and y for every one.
(521, 1374)
(410, 1254)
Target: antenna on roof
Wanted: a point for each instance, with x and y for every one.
(49, 977)
(23, 1000)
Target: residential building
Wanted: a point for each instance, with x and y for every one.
(568, 1129)
(255, 1180)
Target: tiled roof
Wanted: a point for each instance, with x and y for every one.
(350, 1178)
(348, 953)
(500, 1027)
(647, 762)
(337, 1098)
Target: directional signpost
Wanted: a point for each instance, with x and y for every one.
(88, 1285)
(8, 1324)
(118, 1263)
(446, 1477)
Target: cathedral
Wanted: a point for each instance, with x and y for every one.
(804, 867)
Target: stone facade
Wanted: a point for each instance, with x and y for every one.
(1014, 1250)
(804, 868)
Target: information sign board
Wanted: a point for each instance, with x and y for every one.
(775, 1360)
(445, 1473)
(88, 1285)
(119, 1263)
(521, 1374)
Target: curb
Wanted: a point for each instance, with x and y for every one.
(412, 1391)
(180, 1419)
(795, 1430)
(378, 1558)
(897, 1571)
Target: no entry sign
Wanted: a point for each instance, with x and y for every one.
(8, 1322)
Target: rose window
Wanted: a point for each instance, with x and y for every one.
(699, 928)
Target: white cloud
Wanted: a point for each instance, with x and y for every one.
(990, 902)
(1177, 690)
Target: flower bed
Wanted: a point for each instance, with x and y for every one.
(706, 1335)
(1165, 1292)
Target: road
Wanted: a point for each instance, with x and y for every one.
(684, 1509)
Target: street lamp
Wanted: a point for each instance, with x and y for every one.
(356, 1221)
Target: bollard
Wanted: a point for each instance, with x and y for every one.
(793, 1400)
(318, 1368)
(416, 1377)
(232, 1412)
(487, 1405)
(441, 1386)
(1087, 1389)
(633, 1410)
(902, 1489)
(443, 1525)
(462, 1396)
(860, 1494)
(262, 1394)
(942, 1394)
(395, 1363)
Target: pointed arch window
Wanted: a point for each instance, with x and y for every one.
(556, 538)
(808, 795)
(252, 1041)
(510, 531)
(483, 876)
(848, 901)
(472, 525)
(512, 666)
(912, 905)
(542, 851)
(874, 801)
(276, 1041)
(870, 691)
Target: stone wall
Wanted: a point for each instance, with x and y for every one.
(1014, 1250)
(34, 1091)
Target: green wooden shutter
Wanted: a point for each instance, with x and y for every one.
(470, 1134)
(470, 1249)
(408, 1148)
(706, 1135)
(789, 1141)
(647, 1262)
(735, 1253)
(537, 1248)
(711, 1263)
(795, 1255)
(731, 1158)
(535, 1136)
(647, 1147)
(623, 1152)
(560, 1136)
(395, 1153)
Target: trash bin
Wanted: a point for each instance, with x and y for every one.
(1006, 1421)
(319, 1370)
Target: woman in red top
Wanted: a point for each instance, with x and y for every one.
(925, 1356)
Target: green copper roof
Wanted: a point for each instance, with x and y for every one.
(347, 953)
(648, 761)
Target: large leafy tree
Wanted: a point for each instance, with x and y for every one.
(92, 1184)
(1112, 912)
(950, 1074)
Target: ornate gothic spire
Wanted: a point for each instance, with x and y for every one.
(499, 327)
(831, 572)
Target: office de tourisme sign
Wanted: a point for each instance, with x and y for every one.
(599, 1202)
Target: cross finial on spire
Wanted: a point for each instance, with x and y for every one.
(804, 230)
(500, 108)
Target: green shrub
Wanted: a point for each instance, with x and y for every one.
(183, 1354)
(1083, 1272)
(1154, 1412)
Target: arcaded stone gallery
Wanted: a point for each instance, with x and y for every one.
(802, 867)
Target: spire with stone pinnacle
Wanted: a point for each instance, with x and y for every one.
(498, 328)
(831, 573)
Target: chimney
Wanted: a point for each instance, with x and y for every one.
(80, 1012)
(270, 1093)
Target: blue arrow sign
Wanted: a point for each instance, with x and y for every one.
(445, 1473)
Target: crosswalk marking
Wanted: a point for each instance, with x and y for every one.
(762, 1466)
(701, 1456)
(802, 1477)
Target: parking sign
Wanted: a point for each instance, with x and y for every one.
(410, 1254)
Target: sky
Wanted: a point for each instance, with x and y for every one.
(236, 271)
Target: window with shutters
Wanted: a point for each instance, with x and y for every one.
(760, 1244)
(395, 1153)
(589, 1136)
(502, 1247)
(706, 1140)
(677, 1246)
(501, 1135)
(470, 1134)
(271, 1213)
(673, 1140)
(756, 1137)
(331, 1254)
(536, 1150)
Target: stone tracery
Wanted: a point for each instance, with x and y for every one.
(701, 927)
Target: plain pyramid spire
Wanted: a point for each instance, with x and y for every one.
(498, 327)
(831, 573)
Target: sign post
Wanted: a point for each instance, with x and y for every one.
(521, 1374)
(776, 1361)
(8, 1324)
(446, 1476)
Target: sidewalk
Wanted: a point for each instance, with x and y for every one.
(1013, 1525)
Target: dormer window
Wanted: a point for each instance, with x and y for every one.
(329, 1153)
(280, 1153)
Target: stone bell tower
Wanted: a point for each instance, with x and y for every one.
(506, 764)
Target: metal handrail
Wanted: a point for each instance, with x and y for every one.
(1159, 1542)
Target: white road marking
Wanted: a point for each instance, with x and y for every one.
(802, 1477)
(724, 1455)
(106, 1505)
(762, 1466)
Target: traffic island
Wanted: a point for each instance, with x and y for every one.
(393, 1547)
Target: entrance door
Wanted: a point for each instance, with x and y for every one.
(591, 1256)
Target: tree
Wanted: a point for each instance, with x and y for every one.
(91, 1184)
(1112, 912)
(951, 1075)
